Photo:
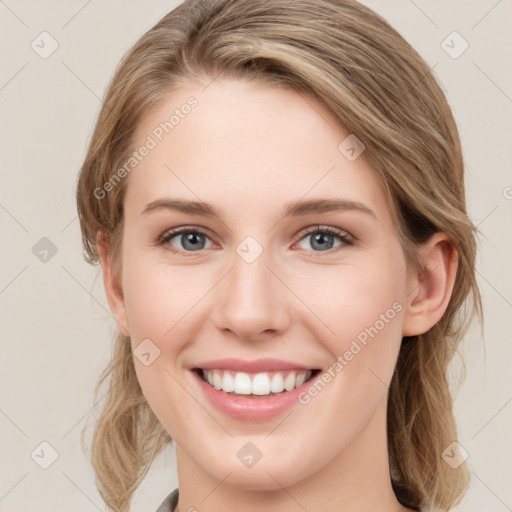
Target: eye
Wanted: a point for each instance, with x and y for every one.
(188, 240)
(322, 238)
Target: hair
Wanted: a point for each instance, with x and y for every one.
(380, 89)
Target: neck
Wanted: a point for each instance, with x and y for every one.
(354, 480)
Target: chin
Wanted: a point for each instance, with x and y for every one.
(260, 480)
(269, 475)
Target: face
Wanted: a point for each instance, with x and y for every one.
(272, 286)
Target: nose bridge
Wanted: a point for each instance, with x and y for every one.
(251, 298)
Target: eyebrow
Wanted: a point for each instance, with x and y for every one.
(295, 208)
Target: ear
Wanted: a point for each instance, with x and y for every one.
(430, 289)
(113, 288)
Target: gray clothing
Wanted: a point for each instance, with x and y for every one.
(169, 504)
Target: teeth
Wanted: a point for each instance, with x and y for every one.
(277, 383)
(228, 384)
(217, 380)
(301, 378)
(289, 382)
(261, 384)
(242, 384)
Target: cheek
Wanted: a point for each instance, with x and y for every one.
(159, 298)
(363, 310)
(356, 297)
(160, 304)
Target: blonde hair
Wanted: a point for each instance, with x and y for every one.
(381, 90)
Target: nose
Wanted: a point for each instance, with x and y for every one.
(251, 301)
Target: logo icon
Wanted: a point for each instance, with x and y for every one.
(44, 45)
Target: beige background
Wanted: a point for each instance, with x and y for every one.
(55, 329)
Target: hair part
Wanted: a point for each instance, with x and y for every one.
(380, 89)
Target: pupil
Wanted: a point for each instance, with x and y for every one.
(320, 238)
(193, 239)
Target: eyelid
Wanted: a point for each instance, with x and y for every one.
(169, 233)
(325, 228)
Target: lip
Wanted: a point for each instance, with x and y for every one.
(254, 366)
(251, 409)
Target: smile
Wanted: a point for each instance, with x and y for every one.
(252, 390)
(258, 384)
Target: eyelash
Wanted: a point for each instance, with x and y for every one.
(347, 240)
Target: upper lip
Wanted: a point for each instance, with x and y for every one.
(252, 366)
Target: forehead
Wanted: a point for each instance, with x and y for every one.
(241, 145)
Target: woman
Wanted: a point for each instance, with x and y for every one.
(275, 192)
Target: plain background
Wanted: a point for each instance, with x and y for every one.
(56, 333)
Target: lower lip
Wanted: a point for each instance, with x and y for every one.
(251, 409)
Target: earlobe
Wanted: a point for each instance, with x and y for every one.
(430, 290)
(113, 288)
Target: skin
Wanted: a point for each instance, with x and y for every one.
(249, 148)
